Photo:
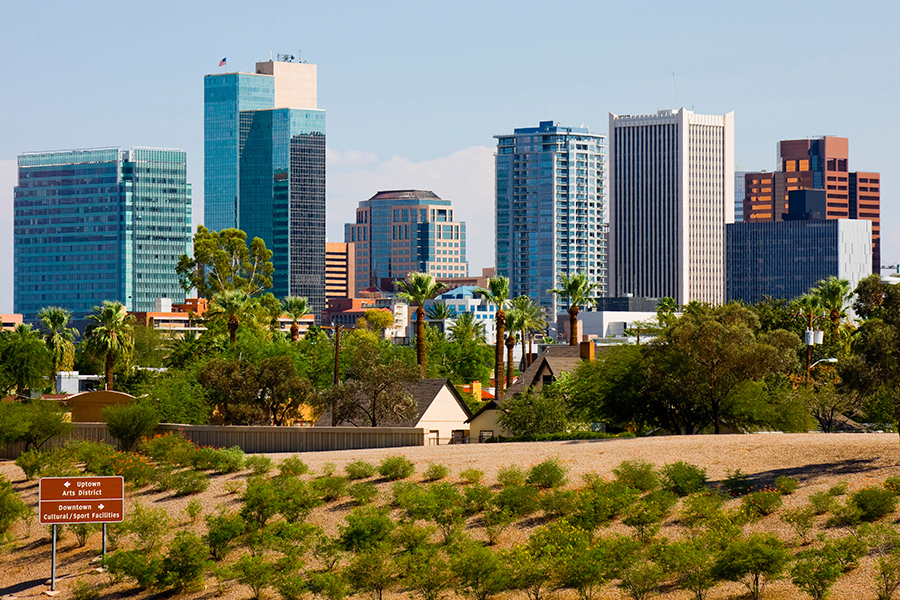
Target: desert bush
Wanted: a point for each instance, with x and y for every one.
(753, 561)
(427, 573)
(893, 484)
(82, 589)
(822, 502)
(184, 566)
(330, 488)
(222, 531)
(479, 572)
(691, 562)
(171, 448)
(187, 482)
(602, 501)
(559, 503)
(229, 460)
(737, 483)
(128, 423)
(838, 489)
(259, 464)
(874, 503)
(815, 573)
(471, 476)
(435, 472)
(329, 469)
(645, 520)
(844, 515)
(701, 507)
(801, 520)
(292, 465)
(328, 586)
(396, 467)
(360, 469)
(83, 531)
(762, 503)
(682, 478)
(32, 462)
(193, 510)
(495, 522)
(511, 475)
(371, 572)
(366, 528)
(204, 459)
(638, 474)
(786, 485)
(148, 525)
(362, 492)
(412, 538)
(887, 576)
(143, 568)
(845, 551)
(517, 500)
(477, 497)
(255, 572)
(262, 501)
(547, 474)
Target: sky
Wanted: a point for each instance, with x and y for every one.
(415, 91)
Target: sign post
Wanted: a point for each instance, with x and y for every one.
(80, 500)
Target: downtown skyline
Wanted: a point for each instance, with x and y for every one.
(425, 119)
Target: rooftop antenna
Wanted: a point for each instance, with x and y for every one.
(673, 92)
(270, 56)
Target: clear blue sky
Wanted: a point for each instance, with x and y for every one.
(414, 91)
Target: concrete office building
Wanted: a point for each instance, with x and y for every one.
(265, 168)
(550, 209)
(822, 164)
(671, 182)
(340, 270)
(784, 259)
(400, 231)
(99, 224)
(739, 195)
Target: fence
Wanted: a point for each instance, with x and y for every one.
(257, 439)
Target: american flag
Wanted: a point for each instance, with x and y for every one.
(222, 62)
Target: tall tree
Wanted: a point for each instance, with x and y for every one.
(231, 306)
(834, 296)
(25, 360)
(296, 307)
(417, 288)
(497, 293)
(515, 321)
(577, 290)
(223, 262)
(110, 336)
(440, 311)
(532, 321)
(467, 328)
(60, 338)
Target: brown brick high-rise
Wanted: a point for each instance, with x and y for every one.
(822, 164)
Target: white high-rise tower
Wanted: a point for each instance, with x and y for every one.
(671, 182)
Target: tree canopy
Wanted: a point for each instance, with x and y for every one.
(222, 262)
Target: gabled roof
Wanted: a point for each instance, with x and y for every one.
(559, 359)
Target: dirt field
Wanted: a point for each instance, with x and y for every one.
(818, 461)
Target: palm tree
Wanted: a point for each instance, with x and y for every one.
(231, 306)
(24, 360)
(514, 322)
(297, 307)
(665, 311)
(467, 328)
(59, 337)
(417, 288)
(497, 293)
(532, 320)
(110, 336)
(440, 311)
(577, 291)
(834, 297)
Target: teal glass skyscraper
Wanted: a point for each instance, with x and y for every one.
(265, 168)
(100, 224)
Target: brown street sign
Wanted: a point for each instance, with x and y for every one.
(81, 500)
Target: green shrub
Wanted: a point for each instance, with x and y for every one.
(682, 478)
(143, 568)
(547, 474)
(193, 510)
(477, 497)
(222, 531)
(366, 527)
(602, 501)
(296, 498)
(32, 462)
(220, 460)
(737, 483)
(495, 522)
(815, 573)
(511, 475)
(171, 448)
(331, 488)
(753, 561)
(874, 503)
(822, 502)
(701, 507)
(184, 566)
(517, 500)
(255, 572)
(259, 464)
(845, 550)
(128, 423)
(83, 531)
(360, 469)
(893, 484)
(293, 465)
(328, 469)
(82, 589)
(187, 482)
(844, 515)
(204, 459)
(328, 586)
(638, 474)
(786, 485)
(559, 503)
(261, 499)
(397, 467)
(801, 521)
(436, 472)
(838, 489)
(471, 475)
(762, 503)
(362, 492)
(148, 525)
(646, 519)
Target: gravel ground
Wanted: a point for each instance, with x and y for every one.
(818, 461)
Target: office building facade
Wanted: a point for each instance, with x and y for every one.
(100, 224)
(400, 231)
(340, 270)
(821, 164)
(784, 259)
(671, 181)
(265, 169)
(550, 209)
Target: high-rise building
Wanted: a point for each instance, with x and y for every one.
(400, 231)
(784, 259)
(671, 182)
(739, 195)
(550, 209)
(265, 168)
(340, 270)
(820, 164)
(100, 224)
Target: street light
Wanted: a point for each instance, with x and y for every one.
(827, 360)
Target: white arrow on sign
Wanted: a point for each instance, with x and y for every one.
(66, 484)
(100, 506)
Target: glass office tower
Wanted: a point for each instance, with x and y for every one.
(265, 169)
(550, 209)
(95, 225)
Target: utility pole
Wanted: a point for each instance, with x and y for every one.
(337, 358)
